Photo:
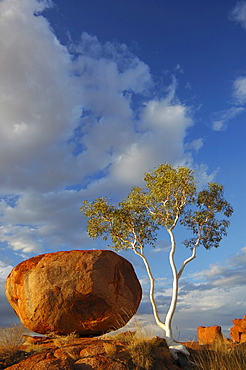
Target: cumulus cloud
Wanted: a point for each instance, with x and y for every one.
(38, 97)
(69, 129)
(163, 125)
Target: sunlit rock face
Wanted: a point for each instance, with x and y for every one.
(238, 331)
(209, 334)
(89, 292)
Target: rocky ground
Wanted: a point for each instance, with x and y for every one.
(125, 352)
(41, 353)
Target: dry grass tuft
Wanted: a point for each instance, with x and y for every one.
(110, 349)
(146, 353)
(10, 341)
(33, 348)
(62, 340)
(125, 337)
(221, 356)
(141, 352)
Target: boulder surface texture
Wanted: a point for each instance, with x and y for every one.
(89, 292)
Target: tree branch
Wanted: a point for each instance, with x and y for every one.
(193, 255)
(152, 287)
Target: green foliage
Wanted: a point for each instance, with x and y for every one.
(169, 197)
(169, 190)
(128, 225)
(203, 221)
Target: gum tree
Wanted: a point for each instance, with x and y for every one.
(169, 197)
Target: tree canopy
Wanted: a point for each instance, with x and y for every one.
(169, 197)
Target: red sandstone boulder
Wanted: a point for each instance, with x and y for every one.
(209, 334)
(238, 331)
(87, 292)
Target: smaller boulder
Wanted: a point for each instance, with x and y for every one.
(209, 334)
(238, 331)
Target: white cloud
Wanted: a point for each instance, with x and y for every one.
(69, 121)
(38, 97)
(4, 270)
(238, 14)
(196, 145)
(231, 275)
(240, 90)
(50, 220)
(20, 238)
(163, 127)
(203, 176)
(222, 119)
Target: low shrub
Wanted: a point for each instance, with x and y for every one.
(11, 339)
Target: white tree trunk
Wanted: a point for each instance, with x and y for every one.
(173, 304)
(151, 291)
(167, 326)
(174, 347)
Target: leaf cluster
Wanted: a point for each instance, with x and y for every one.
(128, 225)
(204, 221)
(169, 191)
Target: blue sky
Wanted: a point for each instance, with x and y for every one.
(93, 94)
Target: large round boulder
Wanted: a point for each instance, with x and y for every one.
(89, 292)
